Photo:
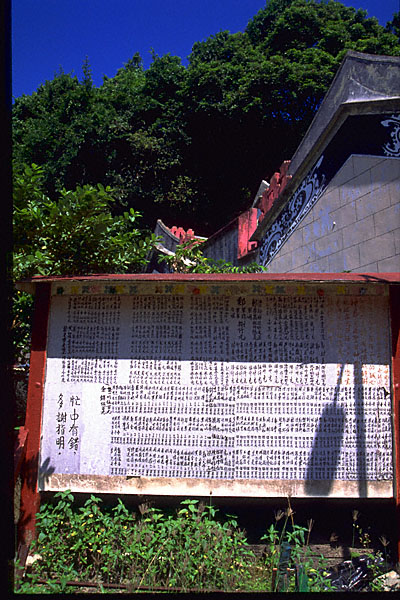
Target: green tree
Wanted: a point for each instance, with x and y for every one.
(393, 26)
(158, 183)
(190, 144)
(253, 95)
(50, 126)
(73, 235)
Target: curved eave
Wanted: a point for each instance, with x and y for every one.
(345, 110)
(361, 79)
(364, 84)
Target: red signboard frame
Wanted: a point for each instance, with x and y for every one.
(41, 287)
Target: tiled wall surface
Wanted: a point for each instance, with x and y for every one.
(355, 225)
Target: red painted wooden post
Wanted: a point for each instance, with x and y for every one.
(30, 498)
(395, 326)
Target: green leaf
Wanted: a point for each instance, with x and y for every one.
(302, 583)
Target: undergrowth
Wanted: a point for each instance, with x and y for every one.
(188, 550)
(191, 549)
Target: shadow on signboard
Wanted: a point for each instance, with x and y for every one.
(45, 470)
(34, 473)
(324, 457)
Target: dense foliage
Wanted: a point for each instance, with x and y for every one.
(191, 144)
(191, 548)
(75, 234)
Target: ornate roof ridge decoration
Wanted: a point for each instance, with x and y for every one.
(177, 235)
(392, 148)
(169, 239)
(364, 98)
(299, 205)
(371, 135)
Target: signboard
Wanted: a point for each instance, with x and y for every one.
(224, 389)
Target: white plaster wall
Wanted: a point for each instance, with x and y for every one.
(355, 225)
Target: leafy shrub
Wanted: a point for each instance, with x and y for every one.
(73, 234)
(189, 258)
(188, 550)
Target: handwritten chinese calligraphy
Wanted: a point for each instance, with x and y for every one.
(269, 387)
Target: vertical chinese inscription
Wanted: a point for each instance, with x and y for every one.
(90, 339)
(74, 415)
(219, 387)
(67, 424)
(61, 424)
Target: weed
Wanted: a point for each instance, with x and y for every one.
(191, 549)
(288, 559)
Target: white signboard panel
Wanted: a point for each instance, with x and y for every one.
(211, 387)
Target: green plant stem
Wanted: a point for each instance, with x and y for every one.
(151, 562)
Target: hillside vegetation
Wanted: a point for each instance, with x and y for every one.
(191, 144)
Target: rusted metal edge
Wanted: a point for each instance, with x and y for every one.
(132, 588)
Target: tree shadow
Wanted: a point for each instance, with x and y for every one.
(44, 473)
(324, 457)
(33, 477)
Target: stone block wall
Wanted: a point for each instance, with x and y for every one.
(355, 225)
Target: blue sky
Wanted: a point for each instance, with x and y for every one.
(49, 34)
